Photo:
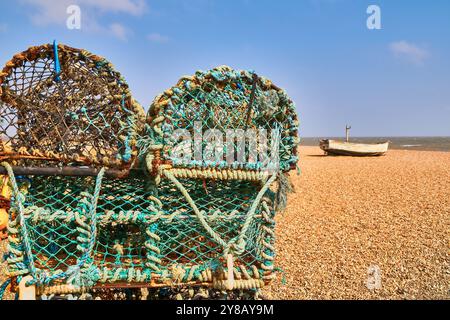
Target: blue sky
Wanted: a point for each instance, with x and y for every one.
(389, 82)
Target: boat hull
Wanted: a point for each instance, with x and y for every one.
(333, 147)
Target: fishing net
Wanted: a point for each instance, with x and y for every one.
(167, 223)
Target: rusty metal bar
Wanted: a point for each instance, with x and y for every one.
(65, 171)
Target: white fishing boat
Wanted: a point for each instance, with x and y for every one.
(335, 147)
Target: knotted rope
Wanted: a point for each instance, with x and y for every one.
(236, 246)
(18, 200)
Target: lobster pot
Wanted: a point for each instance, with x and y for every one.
(125, 204)
(221, 142)
(137, 234)
(65, 106)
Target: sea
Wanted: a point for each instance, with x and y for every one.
(404, 143)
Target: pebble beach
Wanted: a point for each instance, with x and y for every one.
(350, 215)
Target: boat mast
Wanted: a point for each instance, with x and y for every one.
(347, 130)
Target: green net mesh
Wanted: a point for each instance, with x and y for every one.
(223, 99)
(142, 234)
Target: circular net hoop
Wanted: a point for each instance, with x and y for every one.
(82, 115)
(221, 99)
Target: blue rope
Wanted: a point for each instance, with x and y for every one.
(57, 65)
(3, 288)
(19, 200)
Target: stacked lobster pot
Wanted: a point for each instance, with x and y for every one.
(101, 196)
(68, 131)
